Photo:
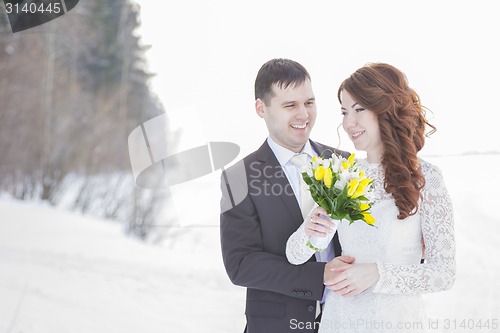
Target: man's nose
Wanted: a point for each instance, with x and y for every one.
(302, 112)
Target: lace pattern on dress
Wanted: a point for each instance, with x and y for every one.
(438, 271)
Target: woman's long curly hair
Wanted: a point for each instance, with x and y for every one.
(383, 89)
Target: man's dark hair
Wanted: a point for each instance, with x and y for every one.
(283, 73)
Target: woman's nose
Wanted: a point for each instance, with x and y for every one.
(349, 120)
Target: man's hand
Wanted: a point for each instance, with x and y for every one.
(351, 280)
(334, 267)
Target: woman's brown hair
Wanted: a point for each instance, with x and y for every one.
(383, 89)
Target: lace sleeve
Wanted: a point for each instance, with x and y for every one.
(296, 250)
(437, 273)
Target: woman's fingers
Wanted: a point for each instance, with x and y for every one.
(320, 210)
(318, 226)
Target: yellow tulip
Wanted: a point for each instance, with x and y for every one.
(364, 182)
(328, 178)
(363, 206)
(350, 160)
(360, 190)
(345, 165)
(319, 173)
(368, 218)
(353, 185)
(362, 174)
(314, 159)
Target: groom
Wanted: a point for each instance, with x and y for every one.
(281, 297)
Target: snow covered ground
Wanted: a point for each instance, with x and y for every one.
(61, 272)
(65, 273)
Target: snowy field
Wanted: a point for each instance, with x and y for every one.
(64, 273)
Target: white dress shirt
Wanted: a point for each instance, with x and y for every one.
(292, 173)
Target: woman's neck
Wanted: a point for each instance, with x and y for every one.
(374, 158)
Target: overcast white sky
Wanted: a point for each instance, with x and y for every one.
(206, 55)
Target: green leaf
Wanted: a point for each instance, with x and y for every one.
(323, 203)
(335, 216)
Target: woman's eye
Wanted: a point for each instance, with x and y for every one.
(360, 109)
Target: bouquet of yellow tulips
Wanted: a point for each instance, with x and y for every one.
(340, 187)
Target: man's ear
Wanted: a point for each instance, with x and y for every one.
(260, 107)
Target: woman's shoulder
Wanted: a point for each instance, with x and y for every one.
(430, 170)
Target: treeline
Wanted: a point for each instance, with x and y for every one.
(71, 91)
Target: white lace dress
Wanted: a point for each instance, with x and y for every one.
(394, 304)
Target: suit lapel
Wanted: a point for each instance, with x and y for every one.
(322, 150)
(279, 181)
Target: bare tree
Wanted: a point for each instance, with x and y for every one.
(71, 91)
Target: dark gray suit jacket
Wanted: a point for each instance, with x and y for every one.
(255, 225)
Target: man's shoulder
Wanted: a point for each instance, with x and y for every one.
(261, 153)
(235, 180)
(239, 168)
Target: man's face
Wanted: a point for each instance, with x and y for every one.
(290, 115)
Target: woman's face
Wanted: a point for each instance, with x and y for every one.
(362, 127)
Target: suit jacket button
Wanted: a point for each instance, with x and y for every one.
(311, 308)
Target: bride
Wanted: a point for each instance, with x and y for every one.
(381, 290)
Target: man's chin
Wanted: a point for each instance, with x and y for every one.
(302, 140)
(299, 145)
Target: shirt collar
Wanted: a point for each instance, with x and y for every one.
(284, 155)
